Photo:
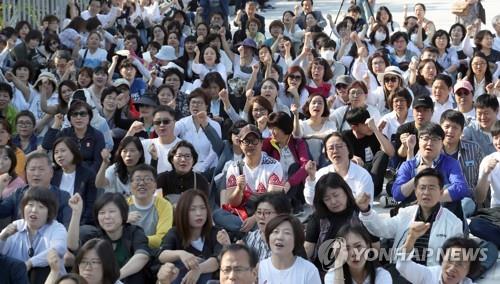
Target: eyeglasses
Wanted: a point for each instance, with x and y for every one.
(24, 123)
(162, 121)
(183, 156)
(428, 187)
(196, 103)
(79, 113)
(146, 180)
(294, 77)
(430, 138)
(391, 79)
(259, 110)
(247, 142)
(335, 146)
(356, 93)
(479, 64)
(236, 269)
(92, 263)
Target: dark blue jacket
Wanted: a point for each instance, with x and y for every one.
(90, 146)
(12, 271)
(85, 186)
(10, 207)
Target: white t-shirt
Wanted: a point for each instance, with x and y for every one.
(269, 172)
(301, 272)
(493, 178)
(382, 276)
(68, 182)
(162, 150)
(316, 144)
(392, 123)
(115, 184)
(93, 60)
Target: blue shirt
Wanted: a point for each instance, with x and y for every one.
(49, 236)
(454, 179)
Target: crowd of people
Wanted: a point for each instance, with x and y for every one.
(151, 141)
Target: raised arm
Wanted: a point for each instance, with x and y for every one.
(76, 204)
(100, 180)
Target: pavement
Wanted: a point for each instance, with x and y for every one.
(437, 11)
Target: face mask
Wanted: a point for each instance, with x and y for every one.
(413, 37)
(327, 55)
(380, 36)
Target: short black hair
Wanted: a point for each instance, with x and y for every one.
(73, 148)
(431, 128)
(357, 115)
(108, 91)
(33, 34)
(297, 227)
(354, 8)
(143, 168)
(445, 78)
(397, 35)
(487, 101)
(429, 172)
(495, 129)
(162, 108)
(453, 116)
(4, 87)
(111, 197)
(182, 143)
(252, 255)
(76, 104)
(440, 33)
(43, 195)
(277, 199)
(282, 121)
(468, 245)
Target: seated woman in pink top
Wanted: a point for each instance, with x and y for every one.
(9, 180)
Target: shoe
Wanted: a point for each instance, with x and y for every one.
(387, 201)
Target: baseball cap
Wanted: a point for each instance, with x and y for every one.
(423, 101)
(462, 84)
(249, 129)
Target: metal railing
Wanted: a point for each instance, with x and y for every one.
(32, 11)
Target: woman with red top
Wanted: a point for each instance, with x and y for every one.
(291, 153)
(320, 74)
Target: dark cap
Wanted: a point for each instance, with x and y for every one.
(344, 79)
(423, 101)
(249, 129)
(146, 100)
(248, 42)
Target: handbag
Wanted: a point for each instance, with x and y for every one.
(460, 8)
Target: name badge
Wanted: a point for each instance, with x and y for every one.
(469, 163)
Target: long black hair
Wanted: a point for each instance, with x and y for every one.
(121, 168)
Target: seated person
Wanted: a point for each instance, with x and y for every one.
(29, 239)
(131, 251)
(430, 155)
(25, 139)
(429, 190)
(243, 257)
(191, 244)
(151, 212)
(257, 173)
(339, 153)
(182, 157)
(479, 130)
(268, 206)
(454, 268)
(488, 180)
(371, 148)
(292, 154)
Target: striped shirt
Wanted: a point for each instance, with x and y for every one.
(255, 241)
(470, 156)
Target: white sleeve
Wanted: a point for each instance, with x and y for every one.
(380, 226)
(199, 69)
(309, 190)
(414, 272)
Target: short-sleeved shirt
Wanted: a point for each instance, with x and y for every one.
(115, 184)
(365, 147)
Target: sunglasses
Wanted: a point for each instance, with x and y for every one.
(162, 121)
(391, 79)
(341, 86)
(79, 113)
(462, 93)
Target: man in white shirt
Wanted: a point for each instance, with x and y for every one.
(441, 89)
(465, 100)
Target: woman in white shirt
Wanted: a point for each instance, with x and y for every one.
(285, 237)
(190, 128)
(353, 245)
(399, 104)
(208, 60)
(479, 74)
(317, 125)
(93, 55)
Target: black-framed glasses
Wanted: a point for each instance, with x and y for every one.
(162, 121)
(235, 269)
(183, 156)
(79, 113)
(24, 123)
(147, 180)
(295, 77)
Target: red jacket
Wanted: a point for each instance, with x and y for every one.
(299, 151)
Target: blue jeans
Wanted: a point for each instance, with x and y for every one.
(227, 220)
(485, 230)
